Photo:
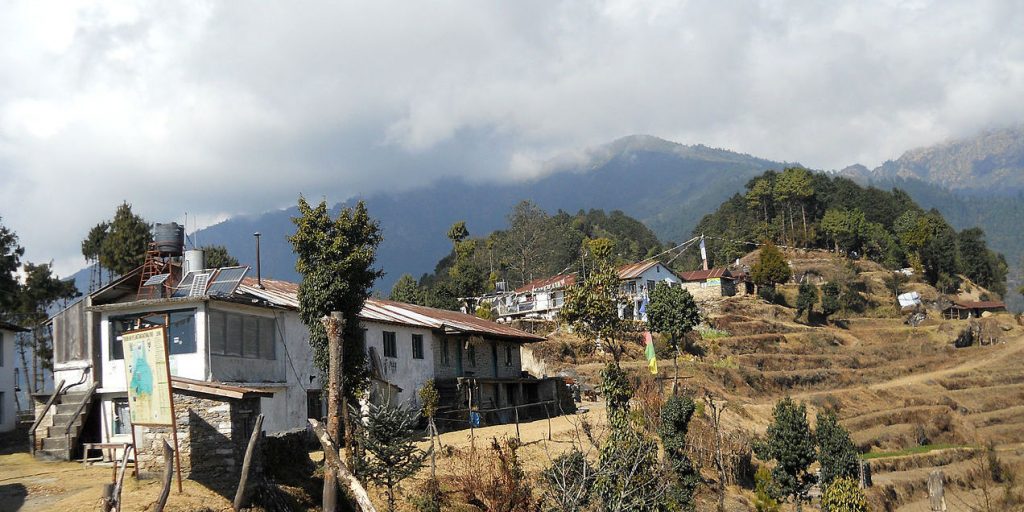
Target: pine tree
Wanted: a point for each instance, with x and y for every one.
(805, 300)
(10, 261)
(675, 423)
(388, 436)
(790, 443)
(836, 452)
(407, 290)
(771, 267)
(672, 311)
(217, 256)
(123, 249)
(41, 290)
(829, 299)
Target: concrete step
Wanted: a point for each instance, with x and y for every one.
(52, 454)
(58, 430)
(55, 443)
(73, 397)
(68, 408)
(60, 420)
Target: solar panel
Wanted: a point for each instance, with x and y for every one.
(155, 280)
(226, 280)
(184, 286)
(199, 285)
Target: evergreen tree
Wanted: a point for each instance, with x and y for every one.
(123, 249)
(10, 261)
(407, 290)
(217, 256)
(829, 299)
(388, 435)
(592, 307)
(41, 290)
(836, 452)
(672, 311)
(805, 300)
(335, 258)
(675, 423)
(790, 443)
(771, 267)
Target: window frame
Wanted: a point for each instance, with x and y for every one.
(117, 420)
(509, 357)
(417, 346)
(227, 335)
(389, 339)
(116, 346)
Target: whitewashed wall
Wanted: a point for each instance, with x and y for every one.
(8, 419)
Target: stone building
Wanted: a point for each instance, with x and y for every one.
(709, 284)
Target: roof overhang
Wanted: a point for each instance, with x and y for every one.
(218, 389)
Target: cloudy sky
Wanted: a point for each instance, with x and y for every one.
(223, 108)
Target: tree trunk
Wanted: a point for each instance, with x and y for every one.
(765, 219)
(803, 214)
(337, 469)
(332, 324)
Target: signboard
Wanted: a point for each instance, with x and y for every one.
(715, 281)
(148, 378)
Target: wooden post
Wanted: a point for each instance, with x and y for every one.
(546, 413)
(334, 465)
(240, 493)
(168, 472)
(332, 324)
(472, 434)
(516, 409)
(936, 493)
(716, 416)
(120, 481)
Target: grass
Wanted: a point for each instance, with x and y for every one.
(916, 450)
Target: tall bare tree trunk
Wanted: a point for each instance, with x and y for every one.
(803, 214)
(332, 324)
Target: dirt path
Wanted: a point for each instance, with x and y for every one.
(1012, 347)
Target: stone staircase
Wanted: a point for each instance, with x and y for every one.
(57, 434)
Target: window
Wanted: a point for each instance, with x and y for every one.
(508, 355)
(390, 347)
(472, 355)
(650, 285)
(181, 330)
(314, 404)
(417, 346)
(446, 359)
(122, 418)
(631, 287)
(248, 336)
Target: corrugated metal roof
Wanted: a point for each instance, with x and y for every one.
(701, 275)
(635, 270)
(285, 294)
(982, 304)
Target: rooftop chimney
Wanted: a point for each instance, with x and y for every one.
(259, 279)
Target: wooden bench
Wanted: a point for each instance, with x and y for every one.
(110, 447)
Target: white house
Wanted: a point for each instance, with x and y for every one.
(543, 298)
(246, 334)
(8, 380)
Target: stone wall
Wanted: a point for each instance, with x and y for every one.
(213, 433)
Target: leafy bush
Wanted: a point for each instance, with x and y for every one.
(844, 495)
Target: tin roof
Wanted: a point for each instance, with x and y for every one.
(635, 270)
(701, 275)
(217, 388)
(285, 294)
(983, 304)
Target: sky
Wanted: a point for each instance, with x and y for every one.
(226, 108)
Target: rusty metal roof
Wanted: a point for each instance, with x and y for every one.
(217, 388)
(635, 270)
(453, 322)
(285, 294)
(701, 275)
(982, 304)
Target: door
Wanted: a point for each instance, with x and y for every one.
(494, 357)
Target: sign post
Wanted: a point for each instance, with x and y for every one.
(148, 374)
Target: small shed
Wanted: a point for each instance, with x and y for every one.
(964, 310)
(215, 421)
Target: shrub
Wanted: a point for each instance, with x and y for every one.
(568, 480)
(844, 495)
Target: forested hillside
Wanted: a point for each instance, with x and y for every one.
(534, 244)
(798, 208)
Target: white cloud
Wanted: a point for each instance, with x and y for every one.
(220, 108)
